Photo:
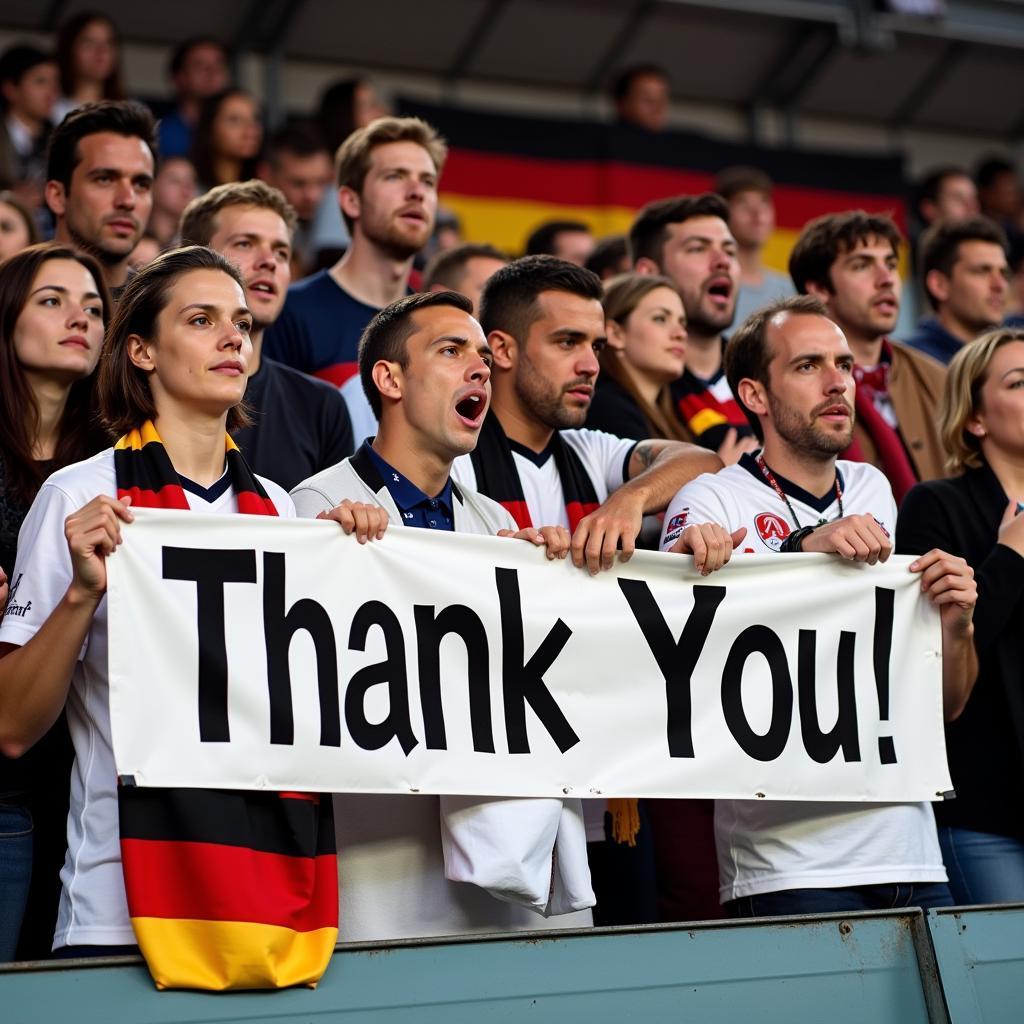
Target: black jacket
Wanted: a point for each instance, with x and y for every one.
(985, 744)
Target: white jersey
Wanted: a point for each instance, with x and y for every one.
(767, 846)
(403, 861)
(93, 910)
(605, 458)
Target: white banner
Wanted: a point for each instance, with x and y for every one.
(250, 653)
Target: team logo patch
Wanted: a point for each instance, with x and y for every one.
(772, 529)
(676, 525)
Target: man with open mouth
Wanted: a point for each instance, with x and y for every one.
(425, 366)
(850, 261)
(687, 239)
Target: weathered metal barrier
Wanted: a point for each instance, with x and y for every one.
(875, 967)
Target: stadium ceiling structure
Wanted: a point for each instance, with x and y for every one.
(956, 67)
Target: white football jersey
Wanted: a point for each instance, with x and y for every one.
(767, 846)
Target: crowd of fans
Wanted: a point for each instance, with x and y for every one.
(585, 396)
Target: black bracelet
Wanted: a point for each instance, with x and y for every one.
(795, 539)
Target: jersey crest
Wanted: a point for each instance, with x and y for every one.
(772, 529)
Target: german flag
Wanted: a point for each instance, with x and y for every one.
(506, 174)
(230, 889)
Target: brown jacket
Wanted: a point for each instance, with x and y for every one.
(915, 387)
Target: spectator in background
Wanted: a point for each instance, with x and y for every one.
(748, 191)
(347, 106)
(53, 307)
(947, 193)
(17, 225)
(646, 351)
(387, 191)
(464, 269)
(100, 182)
(1015, 297)
(299, 425)
(999, 194)
(609, 257)
(569, 240)
(198, 70)
(297, 162)
(975, 516)
(641, 97)
(88, 56)
(146, 250)
(174, 187)
(850, 261)
(687, 239)
(228, 138)
(29, 86)
(964, 267)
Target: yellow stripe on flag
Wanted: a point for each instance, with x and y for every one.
(705, 419)
(232, 954)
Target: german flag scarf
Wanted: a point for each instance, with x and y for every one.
(226, 889)
(498, 478)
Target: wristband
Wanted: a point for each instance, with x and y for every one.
(795, 539)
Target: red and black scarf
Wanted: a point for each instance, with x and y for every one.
(498, 478)
(226, 889)
(873, 383)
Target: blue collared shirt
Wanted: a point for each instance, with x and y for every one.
(416, 508)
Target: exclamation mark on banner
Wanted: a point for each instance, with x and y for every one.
(884, 599)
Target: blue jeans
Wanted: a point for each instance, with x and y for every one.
(15, 874)
(855, 897)
(983, 867)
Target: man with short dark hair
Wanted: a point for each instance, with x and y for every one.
(545, 325)
(792, 370)
(609, 257)
(29, 89)
(99, 186)
(570, 240)
(966, 277)
(297, 162)
(947, 193)
(426, 365)
(464, 268)
(850, 261)
(687, 239)
(300, 425)
(748, 191)
(199, 68)
(641, 97)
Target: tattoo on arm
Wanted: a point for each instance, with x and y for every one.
(645, 454)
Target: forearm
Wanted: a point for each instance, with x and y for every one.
(660, 469)
(959, 671)
(35, 677)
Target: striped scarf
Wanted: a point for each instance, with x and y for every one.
(226, 889)
(498, 478)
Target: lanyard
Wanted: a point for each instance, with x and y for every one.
(770, 477)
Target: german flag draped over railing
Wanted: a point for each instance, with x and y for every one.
(505, 174)
(225, 889)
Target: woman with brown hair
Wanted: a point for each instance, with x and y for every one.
(89, 59)
(53, 305)
(228, 139)
(18, 228)
(646, 351)
(976, 514)
(171, 380)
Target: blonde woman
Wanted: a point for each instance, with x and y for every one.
(977, 515)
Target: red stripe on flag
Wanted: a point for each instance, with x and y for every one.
(616, 183)
(209, 882)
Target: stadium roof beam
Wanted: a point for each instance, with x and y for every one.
(952, 52)
(474, 38)
(635, 18)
